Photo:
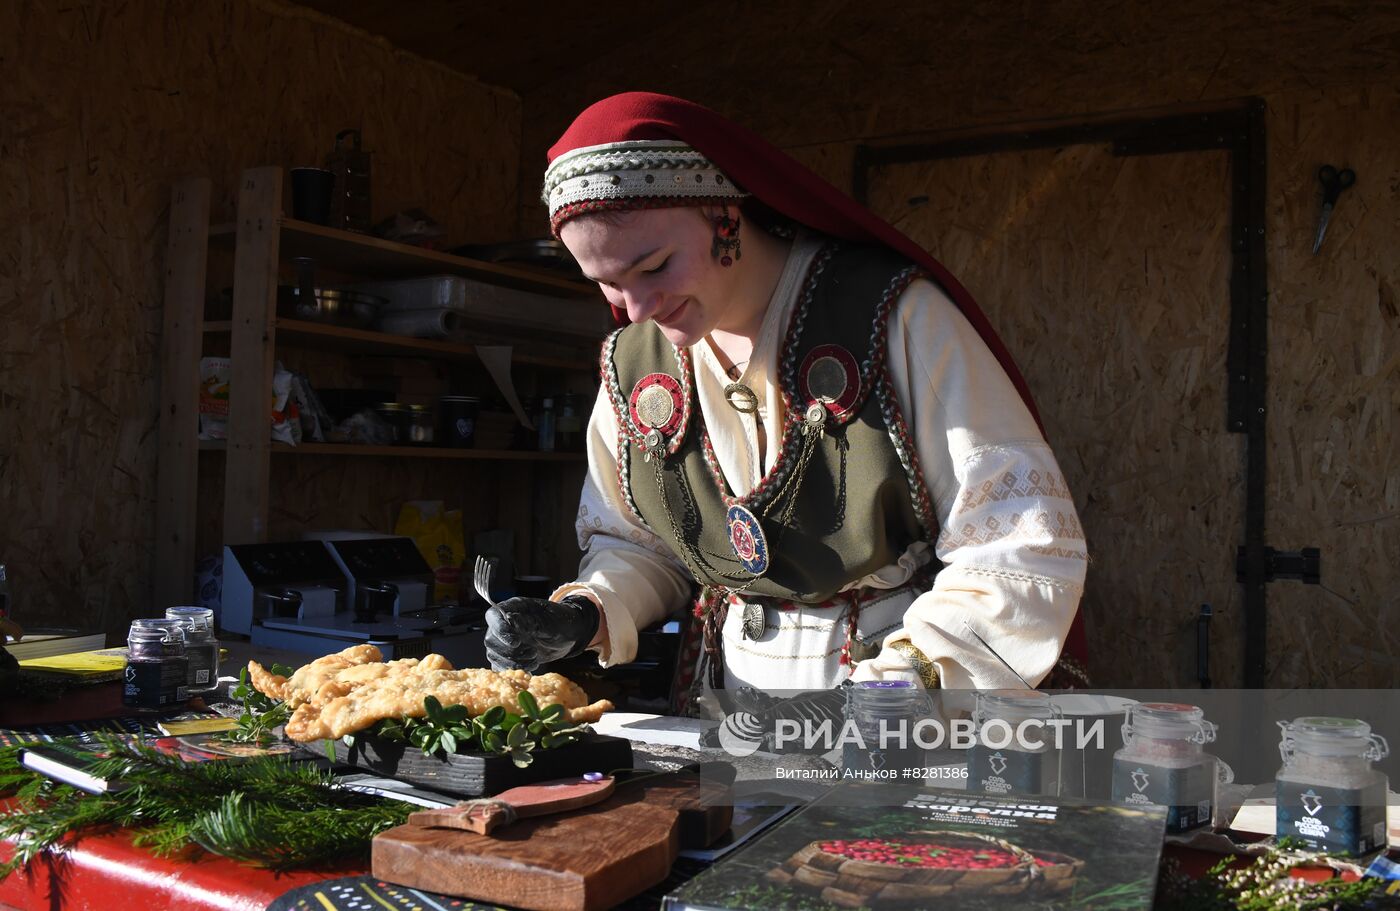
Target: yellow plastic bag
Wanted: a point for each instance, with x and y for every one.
(438, 533)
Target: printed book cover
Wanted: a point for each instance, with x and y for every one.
(859, 848)
(73, 762)
(42, 643)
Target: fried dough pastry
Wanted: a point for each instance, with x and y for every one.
(342, 708)
(355, 665)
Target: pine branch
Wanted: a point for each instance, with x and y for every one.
(265, 811)
(266, 834)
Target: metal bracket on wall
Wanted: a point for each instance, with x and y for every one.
(1237, 128)
(1304, 565)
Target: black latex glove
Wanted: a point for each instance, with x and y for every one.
(527, 632)
(755, 720)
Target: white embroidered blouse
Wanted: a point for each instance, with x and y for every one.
(1011, 544)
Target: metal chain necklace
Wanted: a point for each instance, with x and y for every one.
(813, 428)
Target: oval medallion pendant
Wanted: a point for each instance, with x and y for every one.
(746, 537)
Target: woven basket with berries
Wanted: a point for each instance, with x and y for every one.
(923, 865)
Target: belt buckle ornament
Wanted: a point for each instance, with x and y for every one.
(753, 621)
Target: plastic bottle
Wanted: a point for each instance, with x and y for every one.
(545, 425)
(570, 425)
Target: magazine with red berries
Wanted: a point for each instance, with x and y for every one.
(950, 849)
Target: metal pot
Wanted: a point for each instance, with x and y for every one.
(372, 599)
(278, 603)
(329, 305)
(545, 251)
(339, 306)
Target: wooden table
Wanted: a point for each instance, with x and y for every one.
(107, 873)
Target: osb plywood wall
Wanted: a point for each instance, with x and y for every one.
(845, 73)
(368, 493)
(1111, 287)
(105, 105)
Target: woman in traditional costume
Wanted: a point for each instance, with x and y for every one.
(806, 431)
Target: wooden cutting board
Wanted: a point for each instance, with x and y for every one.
(584, 860)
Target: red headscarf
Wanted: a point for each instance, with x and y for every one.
(776, 180)
(788, 188)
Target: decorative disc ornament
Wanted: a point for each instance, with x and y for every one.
(753, 621)
(746, 537)
(657, 403)
(830, 375)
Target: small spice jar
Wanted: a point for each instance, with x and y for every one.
(1327, 793)
(884, 713)
(1014, 752)
(1162, 762)
(201, 648)
(396, 416)
(418, 428)
(157, 670)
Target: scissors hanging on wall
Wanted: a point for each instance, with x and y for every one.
(1333, 183)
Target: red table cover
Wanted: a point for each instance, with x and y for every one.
(107, 873)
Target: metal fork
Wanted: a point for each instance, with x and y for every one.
(481, 577)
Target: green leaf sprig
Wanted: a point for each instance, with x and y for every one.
(261, 715)
(1264, 885)
(445, 730)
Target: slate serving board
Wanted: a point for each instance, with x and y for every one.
(477, 774)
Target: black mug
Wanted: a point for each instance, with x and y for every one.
(311, 195)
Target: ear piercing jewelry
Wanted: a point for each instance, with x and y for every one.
(726, 240)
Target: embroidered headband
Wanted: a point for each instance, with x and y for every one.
(630, 175)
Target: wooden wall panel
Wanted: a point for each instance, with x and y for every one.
(105, 106)
(1334, 354)
(1108, 279)
(823, 72)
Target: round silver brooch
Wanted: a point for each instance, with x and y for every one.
(655, 407)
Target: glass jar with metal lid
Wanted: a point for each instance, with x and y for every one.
(396, 416)
(201, 647)
(1163, 762)
(157, 669)
(1013, 751)
(1328, 793)
(885, 713)
(418, 428)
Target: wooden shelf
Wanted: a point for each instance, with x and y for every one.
(374, 257)
(409, 452)
(365, 341)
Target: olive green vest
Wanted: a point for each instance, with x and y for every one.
(861, 501)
